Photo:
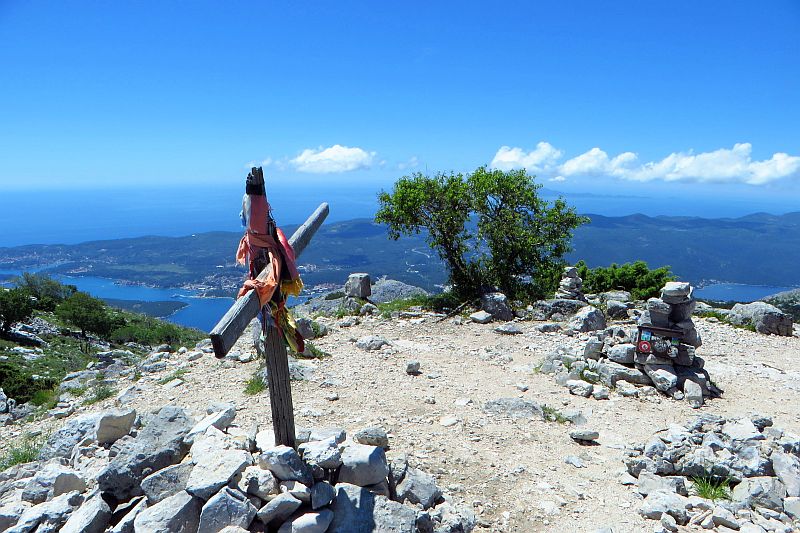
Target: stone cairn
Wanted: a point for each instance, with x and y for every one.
(756, 463)
(571, 285)
(609, 359)
(121, 472)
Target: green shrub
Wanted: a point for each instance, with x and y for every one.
(712, 488)
(88, 314)
(45, 399)
(334, 295)
(554, 415)
(25, 450)
(16, 305)
(178, 374)
(312, 352)
(101, 391)
(637, 278)
(444, 302)
(150, 331)
(255, 385)
(17, 381)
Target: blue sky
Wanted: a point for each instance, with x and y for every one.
(624, 97)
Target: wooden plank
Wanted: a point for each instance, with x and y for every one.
(280, 388)
(235, 321)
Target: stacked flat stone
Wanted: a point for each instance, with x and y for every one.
(571, 286)
(682, 372)
(609, 358)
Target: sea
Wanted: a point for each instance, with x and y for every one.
(68, 217)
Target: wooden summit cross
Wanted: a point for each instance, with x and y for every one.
(243, 311)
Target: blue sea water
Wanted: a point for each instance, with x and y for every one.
(737, 292)
(68, 217)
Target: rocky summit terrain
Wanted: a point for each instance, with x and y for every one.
(420, 422)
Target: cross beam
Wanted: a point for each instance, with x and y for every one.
(243, 311)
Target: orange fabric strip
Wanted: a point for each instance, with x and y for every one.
(265, 288)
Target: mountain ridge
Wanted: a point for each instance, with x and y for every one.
(753, 249)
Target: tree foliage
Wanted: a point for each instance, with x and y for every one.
(15, 306)
(88, 314)
(490, 228)
(46, 291)
(636, 278)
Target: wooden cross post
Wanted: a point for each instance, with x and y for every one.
(242, 312)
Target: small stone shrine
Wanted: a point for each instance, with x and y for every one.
(571, 285)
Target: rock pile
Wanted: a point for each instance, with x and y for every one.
(571, 285)
(610, 358)
(168, 471)
(762, 463)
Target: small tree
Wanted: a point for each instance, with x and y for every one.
(15, 306)
(88, 314)
(47, 291)
(490, 228)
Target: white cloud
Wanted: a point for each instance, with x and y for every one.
(336, 158)
(734, 165)
(411, 163)
(558, 179)
(542, 158)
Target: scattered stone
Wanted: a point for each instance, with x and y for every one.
(372, 436)
(496, 304)
(481, 317)
(419, 488)
(62, 442)
(358, 286)
(584, 435)
(257, 482)
(617, 310)
(371, 343)
(323, 453)
(588, 319)
(580, 388)
(114, 424)
(575, 461)
(322, 494)
(447, 421)
(412, 367)
(52, 480)
(508, 328)
(513, 408)
(764, 317)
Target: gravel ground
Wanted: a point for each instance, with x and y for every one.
(513, 472)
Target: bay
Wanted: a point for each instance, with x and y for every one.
(736, 292)
(199, 312)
